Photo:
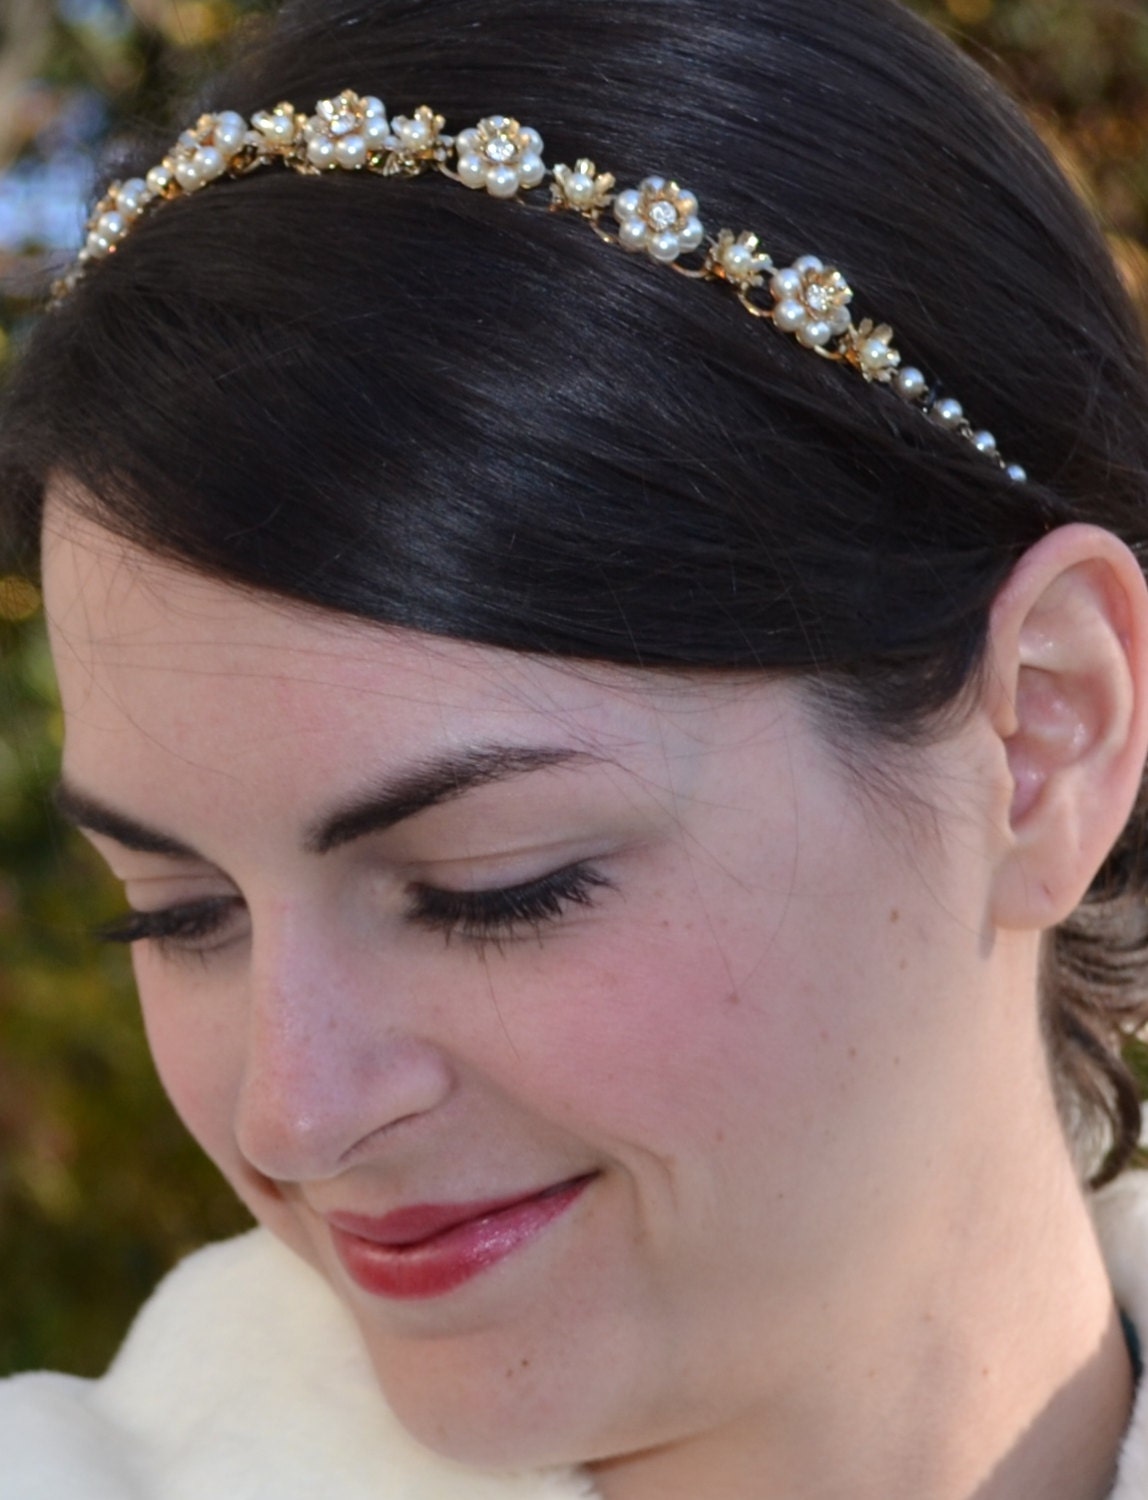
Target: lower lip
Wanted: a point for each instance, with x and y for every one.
(435, 1266)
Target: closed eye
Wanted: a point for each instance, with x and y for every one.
(187, 926)
(499, 914)
(506, 912)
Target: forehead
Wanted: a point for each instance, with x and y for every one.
(156, 658)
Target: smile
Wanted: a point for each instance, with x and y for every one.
(429, 1249)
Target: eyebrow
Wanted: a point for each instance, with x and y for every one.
(393, 801)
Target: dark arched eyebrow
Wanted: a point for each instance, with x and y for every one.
(435, 781)
(389, 802)
(90, 813)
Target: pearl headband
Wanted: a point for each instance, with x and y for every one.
(810, 301)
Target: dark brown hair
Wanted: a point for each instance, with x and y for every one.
(413, 404)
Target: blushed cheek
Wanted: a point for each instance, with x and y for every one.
(674, 1043)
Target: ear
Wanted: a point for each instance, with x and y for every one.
(1067, 692)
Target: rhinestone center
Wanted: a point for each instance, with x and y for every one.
(501, 148)
(663, 214)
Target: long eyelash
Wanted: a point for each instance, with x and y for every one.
(175, 925)
(484, 916)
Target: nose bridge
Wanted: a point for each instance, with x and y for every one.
(331, 1057)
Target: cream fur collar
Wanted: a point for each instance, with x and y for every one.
(299, 1391)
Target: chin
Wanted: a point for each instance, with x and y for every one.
(479, 1409)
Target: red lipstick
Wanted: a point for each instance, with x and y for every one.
(429, 1249)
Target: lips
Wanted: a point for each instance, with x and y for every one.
(429, 1249)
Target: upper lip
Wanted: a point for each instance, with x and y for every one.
(416, 1222)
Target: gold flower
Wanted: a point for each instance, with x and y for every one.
(582, 187)
(738, 260)
(418, 142)
(870, 350)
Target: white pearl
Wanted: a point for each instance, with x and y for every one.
(1017, 474)
(531, 140)
(985, 443)
(632, 235)
(875, 354)
(626, 204)
(413, 132)
(665, 247)
(230, 130)
(376, 131)
(132, 195)
(320, 152)
(692, 235)
(815, 335)
(502, 182)
(790, 316)
(159, 179)
(842, 320)
(187, 175)
(911, 384)
(472, 171)
(687, 204)
(737, 260)
(579, 188)
(111, 226)
(209, 162)
(351, 151)
(787, 284)
(373, 105)
(653, 184)
(281, 128)
(809, 263)
(948, 413)
(531, 170)
(97, 245)
(467, 142)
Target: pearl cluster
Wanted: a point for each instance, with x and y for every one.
(500, 155)
(660, 218)
(811, 301)
(343, 132)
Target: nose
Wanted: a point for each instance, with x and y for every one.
(331, 1061)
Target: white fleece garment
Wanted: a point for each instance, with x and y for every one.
(243, 1378)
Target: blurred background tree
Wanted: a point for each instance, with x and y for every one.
(100, 1189)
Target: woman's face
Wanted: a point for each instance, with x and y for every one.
(581, 1027)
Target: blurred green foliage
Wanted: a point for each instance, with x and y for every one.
(100, 1188)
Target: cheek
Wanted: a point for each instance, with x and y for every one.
(674, 1038)
(198, 1054)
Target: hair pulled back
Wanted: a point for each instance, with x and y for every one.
(408, 402)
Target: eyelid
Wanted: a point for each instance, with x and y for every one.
(501, 913)
(139, 867)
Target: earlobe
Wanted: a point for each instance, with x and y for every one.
(1069, 701)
